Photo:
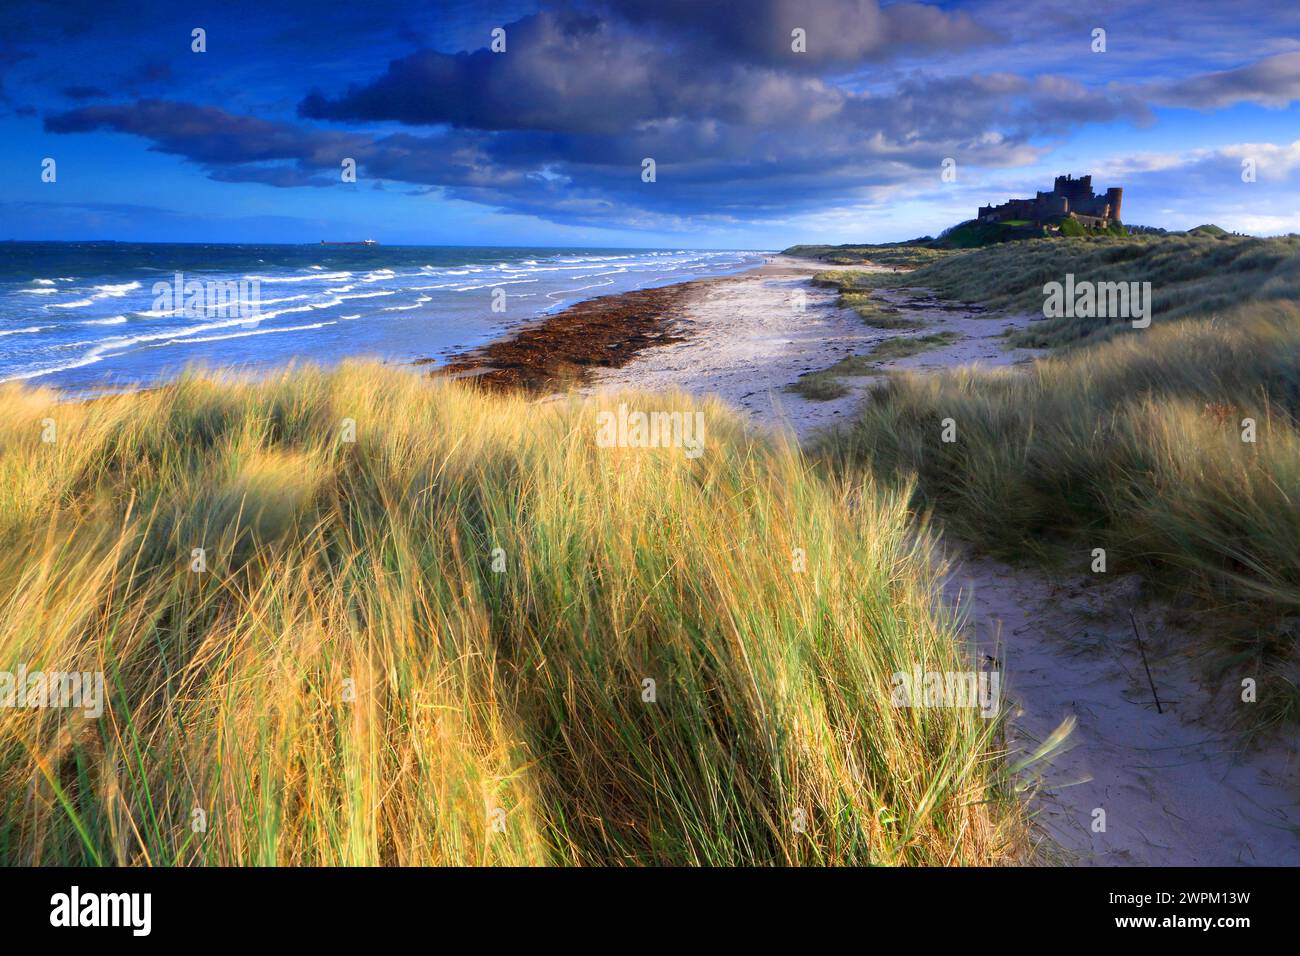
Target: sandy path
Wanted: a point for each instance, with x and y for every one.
(1174, 787)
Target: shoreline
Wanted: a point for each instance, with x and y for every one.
(752, 336)
(85, 323)
(744, 337)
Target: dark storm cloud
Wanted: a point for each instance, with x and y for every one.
(559, 124)
(592, 70)
(207, 134)
(146, 75)
(838, 32)
(571, 72)
(84, 93)
(26, 28)
(849, 144)
(560, 72)
(591, 176)
(1273, 81)
(283, 176)
(9, 56)
(235, 148)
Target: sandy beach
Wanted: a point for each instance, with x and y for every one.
(747, 337)
(1174, 785)
(743, 337)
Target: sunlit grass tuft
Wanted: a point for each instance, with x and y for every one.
(360, 676)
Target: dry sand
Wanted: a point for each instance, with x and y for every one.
(1175, 787)
(745, 340)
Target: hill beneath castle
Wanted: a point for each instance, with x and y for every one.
(974, 234)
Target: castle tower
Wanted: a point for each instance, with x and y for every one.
(1076, 190)
(1114, 198)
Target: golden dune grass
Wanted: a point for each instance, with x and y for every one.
(1134, 445)
(350, 681)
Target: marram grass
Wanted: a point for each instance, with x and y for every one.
(353, 681)
(1176, 449)
(1191, 276)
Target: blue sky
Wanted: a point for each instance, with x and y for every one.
(756, 145)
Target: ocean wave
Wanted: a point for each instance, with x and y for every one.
(596, 275)
(263, 316)
(486, 285)
(29, 329)
(406, 308)
(573, 267)
(370, 295)
(241, 335)
(584, 288)
(101, 350)
(317, 277)
(127, 341)
(118, 291)
(65, 367)
(115, 291)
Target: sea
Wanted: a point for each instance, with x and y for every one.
(93, 317)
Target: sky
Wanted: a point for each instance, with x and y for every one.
(769, 122)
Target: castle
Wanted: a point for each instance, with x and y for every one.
(1070, 198)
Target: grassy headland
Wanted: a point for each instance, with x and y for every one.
(900, 255)
(1190, 275)
(971, 234)
(352, 673)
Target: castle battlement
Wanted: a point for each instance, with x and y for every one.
(1070, 197)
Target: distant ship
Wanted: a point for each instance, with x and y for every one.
(363, 242)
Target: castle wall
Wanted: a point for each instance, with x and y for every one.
(1069, 196)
